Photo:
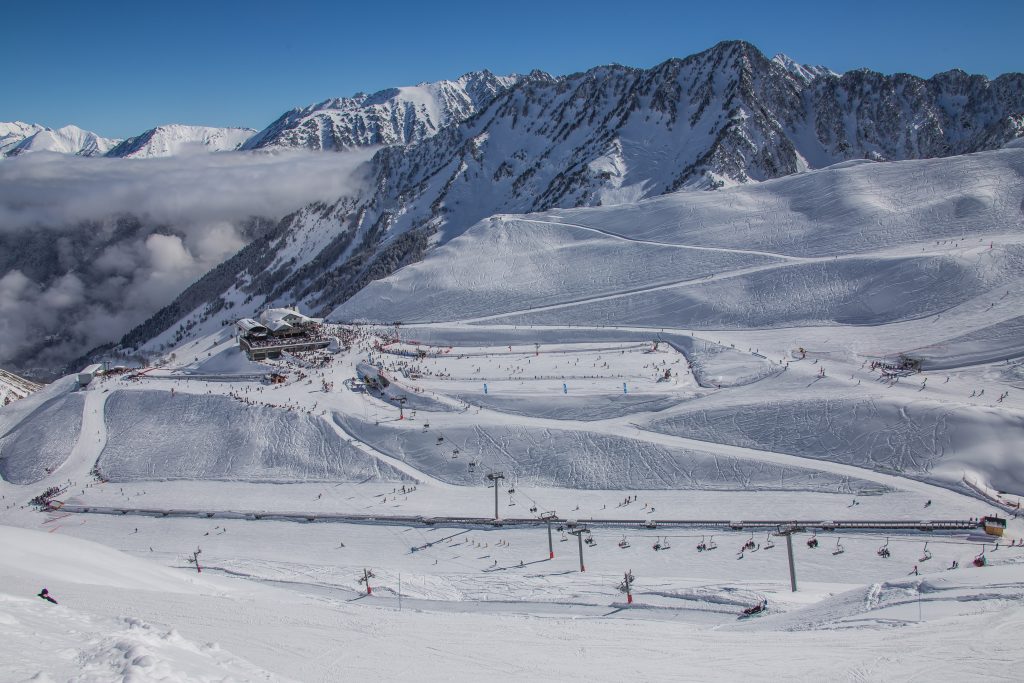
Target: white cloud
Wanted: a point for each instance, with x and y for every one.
(88, 279)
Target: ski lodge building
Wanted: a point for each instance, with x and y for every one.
(279, 330)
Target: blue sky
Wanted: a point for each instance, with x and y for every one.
(119, 68)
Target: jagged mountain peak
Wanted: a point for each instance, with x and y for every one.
(400, 115)
(806, 72)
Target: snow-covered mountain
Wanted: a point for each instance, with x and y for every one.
(13, 132)
(389, 117)
(13, 387)
(614, 134)
(173, 139)
(19, 138)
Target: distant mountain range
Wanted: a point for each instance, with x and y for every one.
(389, 117)
(455, 152)
(765, 117)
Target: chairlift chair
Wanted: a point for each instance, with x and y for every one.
(768, 544)
(839, 548)
(812, 542)
(657, 544)
(623, 543)
(926, 555)
(665, 544)
(884, 550)
(711, 544)
(702, 546)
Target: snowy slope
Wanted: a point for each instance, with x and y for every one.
(394, 116)
(67, 140)
(827, 246)
(42, 641)
(174, 139)
(197, 437)
(293, 618)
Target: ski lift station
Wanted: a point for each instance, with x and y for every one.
(89, 373)
(994, 526)
(277, 331)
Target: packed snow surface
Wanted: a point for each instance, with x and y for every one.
(841, 346)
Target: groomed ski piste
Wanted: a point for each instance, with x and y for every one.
(840, 348)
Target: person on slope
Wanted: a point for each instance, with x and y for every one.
(45, 595)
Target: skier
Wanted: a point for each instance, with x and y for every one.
(45, 595)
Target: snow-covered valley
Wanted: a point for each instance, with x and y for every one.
(503, 418)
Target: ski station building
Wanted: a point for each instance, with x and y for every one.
(89, 373)
(279, 330)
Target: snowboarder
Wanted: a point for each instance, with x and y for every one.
(45, 595)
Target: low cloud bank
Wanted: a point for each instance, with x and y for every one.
(91, 247)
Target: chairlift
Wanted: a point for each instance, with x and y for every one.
(926, 555)
(533, 509)
(440, 439)
(711, 544)
(839, 548)
(511, 491)
(657, 544)
(979, 559)
(623, 543)
(749, 545)
(702, 546)
(589, 540)
(884, 550)
(665, 544)
(564, 537)
(812, 542)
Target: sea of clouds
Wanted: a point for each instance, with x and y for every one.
(74, 275)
